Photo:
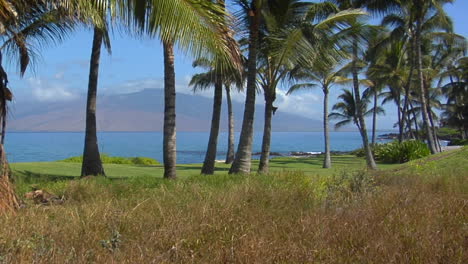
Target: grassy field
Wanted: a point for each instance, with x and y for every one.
(310, 166)
(411, 213)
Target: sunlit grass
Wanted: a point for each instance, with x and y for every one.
(411, 213)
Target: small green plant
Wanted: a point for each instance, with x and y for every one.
(113, 243)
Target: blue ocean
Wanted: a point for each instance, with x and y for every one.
(191, 146)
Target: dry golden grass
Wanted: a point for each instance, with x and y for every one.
(392, 217)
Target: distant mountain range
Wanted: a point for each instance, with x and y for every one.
(141, 111)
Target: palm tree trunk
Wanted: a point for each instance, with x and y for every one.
(263, 167)
(374, 118)
(434, 131)
(243, 159)
(400, 127)
(359, 111)
(326, 130)
(169, 140)
(210, 157)
(230, 151)
(8, 199)
(416, 126)
(92, 164)
(424, 107)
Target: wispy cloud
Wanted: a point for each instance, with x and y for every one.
(46, 91)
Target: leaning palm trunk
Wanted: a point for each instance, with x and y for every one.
(169, 140)
(8, 199)
(425, 113)
(326, 131)
(243, 159)
(210, 157)
(434, 131)
(92, 164)
(360, 115)
(263, 166)
(230, 151)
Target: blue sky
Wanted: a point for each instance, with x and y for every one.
(61, 72)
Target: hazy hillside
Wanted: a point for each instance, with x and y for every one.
(141, 111)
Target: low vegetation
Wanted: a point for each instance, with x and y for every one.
(397, 152)
(106, 159)
(410, 213)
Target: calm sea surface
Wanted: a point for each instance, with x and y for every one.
(191, 146)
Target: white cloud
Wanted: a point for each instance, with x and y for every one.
(45, 91)
(304, 104)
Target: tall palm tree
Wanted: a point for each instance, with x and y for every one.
(456, 92)
(92, 164)
(23, 23)
(199, 27)
(251, 10)
(421, 17)
(326, 78)
(202, 81)
(288, 25)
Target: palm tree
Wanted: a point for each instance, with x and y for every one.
(278, 17)
(288, 25)
(456, 92)
(252, 15)
(92, 164)
(198, 27)
(21, 24)
(421, 18)
(202, 81)
(346, 109)
(326, 78)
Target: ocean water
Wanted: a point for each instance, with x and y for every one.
(191, 146)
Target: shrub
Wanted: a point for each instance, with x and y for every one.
(106, 159)
(458, 142)
(396, 152)
(144, 161)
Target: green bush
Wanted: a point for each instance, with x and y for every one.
(144, 161)
(396, 152)
(359, 152)
(106, 159)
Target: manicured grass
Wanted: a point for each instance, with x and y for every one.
(310, 166)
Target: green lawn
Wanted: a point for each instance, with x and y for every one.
(310, 166)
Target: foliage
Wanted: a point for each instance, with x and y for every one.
(447, 132)
(401, 152)
(458, 142)
(106, 159)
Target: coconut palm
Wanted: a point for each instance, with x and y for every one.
(92, 164)
(456, 91)
(251, 16)
(288, 26)
(325, 78)
(199, 27)
(203, 81)
(416, 19)
(22, 24)
(346, 109)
